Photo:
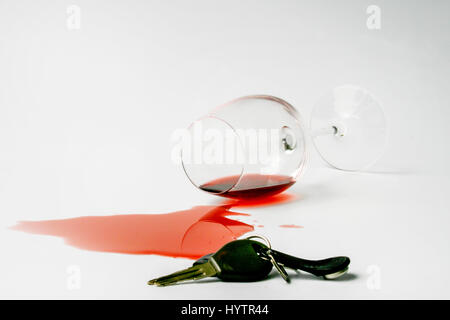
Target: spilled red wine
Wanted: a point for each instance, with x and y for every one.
(251, 186)
(190, 233)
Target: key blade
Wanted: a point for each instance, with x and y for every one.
(194, 273)
(174, 279)
(175, 274)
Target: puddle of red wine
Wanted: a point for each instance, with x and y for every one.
(189, 233)
(291, 226)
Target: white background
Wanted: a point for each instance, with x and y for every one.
(86, 117)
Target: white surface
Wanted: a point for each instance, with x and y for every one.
(86, 117)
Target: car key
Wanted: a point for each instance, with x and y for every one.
(237, 260)
(262, 251)
(330, 268)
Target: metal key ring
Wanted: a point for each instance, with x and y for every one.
(262, 238)
(271, 258)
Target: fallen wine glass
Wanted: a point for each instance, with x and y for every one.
(255, 146)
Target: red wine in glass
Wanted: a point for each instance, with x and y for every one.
(250, 186)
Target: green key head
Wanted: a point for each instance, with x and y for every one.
(239, 261)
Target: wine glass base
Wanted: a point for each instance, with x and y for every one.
(349, 129)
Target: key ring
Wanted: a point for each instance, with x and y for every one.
(271, 258)
(262, 238)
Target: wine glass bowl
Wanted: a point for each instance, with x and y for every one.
(250, 147)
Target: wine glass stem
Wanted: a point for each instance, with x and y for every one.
(325, 131)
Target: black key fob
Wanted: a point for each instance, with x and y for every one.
(240, 261)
